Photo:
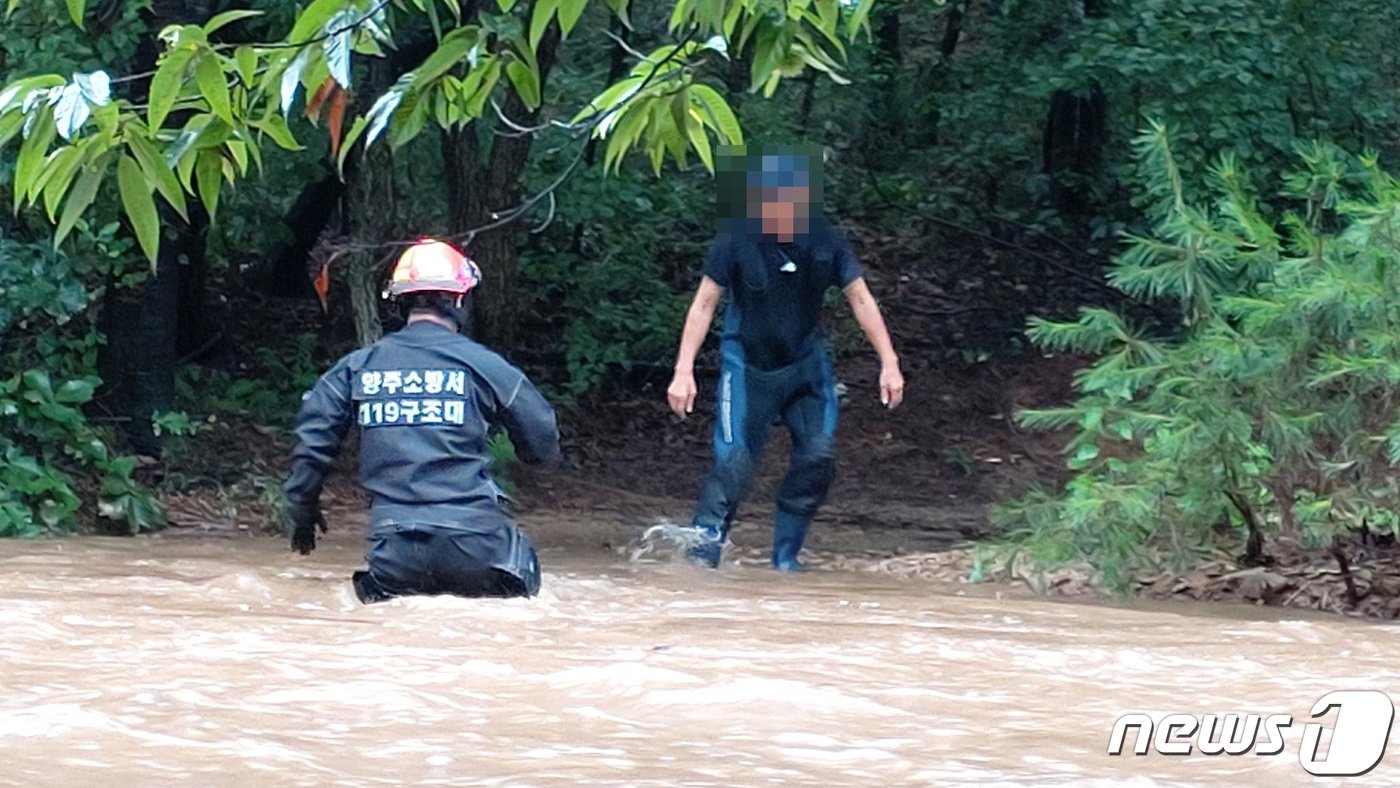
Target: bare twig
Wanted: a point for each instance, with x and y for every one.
(548, 220)
(625, 46)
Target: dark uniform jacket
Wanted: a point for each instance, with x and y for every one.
(423, 399)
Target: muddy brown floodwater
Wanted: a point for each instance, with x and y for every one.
(232, 662)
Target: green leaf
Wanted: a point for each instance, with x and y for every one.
(165, 86)
(1085, 453)
(71, 111)
(312, 20)
(31, 159)
(10, 125)
(625, 135)
(615, 94)
(569, 13)
(430, 7)
(526, 82)
(476, 102)
(718, 112)
(77, 10)
(818, 60)
(140, 207)
(209, 75)
(701, 142)
(675, 144)
(209, 175)
(450, 52)
(856, 22)
(619, 8)
(74, 392)
(227, 18)
(82, 195)
(47, 169)
(540, 16)
(184, 169)
(679, 14)
(356, 129)
(505, 5)
(1092, 419)
(291, 79)
(17, 93)
(238, 150)
(38, 383)
(337, 50)
(60, 176)
(828, 18)
(381, 111)
(767, 55)
(247, 60)
(409, 120)
(157, 171)
(275, 126)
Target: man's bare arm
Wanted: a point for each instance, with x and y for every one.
(681, 393)
(867, 314)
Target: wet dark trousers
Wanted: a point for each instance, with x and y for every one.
(803, 396)
(419, 559)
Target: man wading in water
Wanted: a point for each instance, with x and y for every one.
(423, 399)
(776, 260)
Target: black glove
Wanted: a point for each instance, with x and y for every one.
(304, 519)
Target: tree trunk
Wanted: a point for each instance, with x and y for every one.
(935, 79)
(476, 190)
(141, 324)
(137, 363)
(1076, 129)
(466, 206)
(884, 136)
(370, 219)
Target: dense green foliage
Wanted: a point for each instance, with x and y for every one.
(57, 462)
(1273, 411)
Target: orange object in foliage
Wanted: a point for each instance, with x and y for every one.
(314, 104)
(337, 117)
(323, 287)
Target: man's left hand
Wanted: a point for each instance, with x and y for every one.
(304, 522)
(891, 386)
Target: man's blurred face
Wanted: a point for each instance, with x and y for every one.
(784, 211)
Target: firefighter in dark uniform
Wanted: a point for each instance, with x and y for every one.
(423, 399)
(775, 264)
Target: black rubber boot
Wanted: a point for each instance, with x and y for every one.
(789, 532)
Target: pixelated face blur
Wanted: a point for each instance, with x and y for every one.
(784, 211)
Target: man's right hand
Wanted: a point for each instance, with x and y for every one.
(681, 393)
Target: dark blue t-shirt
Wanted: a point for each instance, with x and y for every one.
(776, 289)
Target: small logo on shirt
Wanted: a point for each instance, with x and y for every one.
(788, 267)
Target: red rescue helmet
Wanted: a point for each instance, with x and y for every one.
(433, 266)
